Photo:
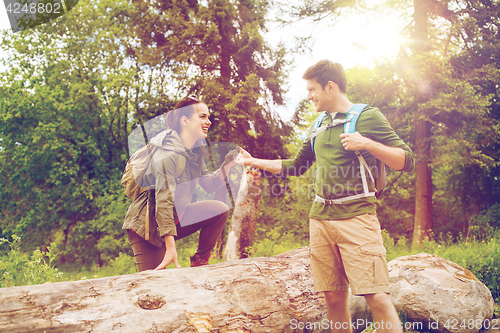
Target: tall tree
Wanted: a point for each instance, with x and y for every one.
(422, 143)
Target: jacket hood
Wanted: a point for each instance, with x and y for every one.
(169, 140)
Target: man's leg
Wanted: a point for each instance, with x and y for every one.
(338, 311)
(363, 256)
(328, 273)
(384, 313)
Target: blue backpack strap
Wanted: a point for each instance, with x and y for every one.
(317, 123)
(352, 117)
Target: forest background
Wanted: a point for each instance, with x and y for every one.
(74, 89)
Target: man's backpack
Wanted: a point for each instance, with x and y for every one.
(135, 182)
(380, 178)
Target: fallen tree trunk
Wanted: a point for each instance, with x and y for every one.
(249, 295)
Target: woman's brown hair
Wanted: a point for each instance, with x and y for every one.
(184, 108)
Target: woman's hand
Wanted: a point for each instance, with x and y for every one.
(233, 153)
(229, 161)
(170, 254)
(244, 158)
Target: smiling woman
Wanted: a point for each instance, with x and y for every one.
(156, 218)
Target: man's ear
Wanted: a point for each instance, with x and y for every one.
(331, 86)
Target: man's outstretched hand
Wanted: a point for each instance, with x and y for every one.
(244, 157)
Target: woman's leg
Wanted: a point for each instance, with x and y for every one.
(210, 216)
(147, 256)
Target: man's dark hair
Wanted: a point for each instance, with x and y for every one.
(325, 71)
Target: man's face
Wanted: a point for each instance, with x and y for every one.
(319, 96)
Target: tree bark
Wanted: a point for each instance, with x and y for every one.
(248, 295)
(423, 172)
(245, 214)
(423, 184)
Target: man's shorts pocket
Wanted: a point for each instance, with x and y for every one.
(376, 253)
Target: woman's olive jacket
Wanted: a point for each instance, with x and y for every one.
(172, 195)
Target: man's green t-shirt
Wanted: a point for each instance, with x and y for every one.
(338, 170)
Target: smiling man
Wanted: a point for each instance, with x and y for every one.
(346, 243)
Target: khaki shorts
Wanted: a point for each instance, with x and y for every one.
(348, 252)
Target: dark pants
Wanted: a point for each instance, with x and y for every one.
(210, 216)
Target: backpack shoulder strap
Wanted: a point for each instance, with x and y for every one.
(352, 117)
(317, 124)
(350, 127)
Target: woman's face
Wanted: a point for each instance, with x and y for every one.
(199, 122)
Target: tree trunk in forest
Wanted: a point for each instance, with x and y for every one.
(423, 184)
(225, 79)
(249, 295)
(244, 219)
(423, 171)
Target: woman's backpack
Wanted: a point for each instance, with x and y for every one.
(135, 182)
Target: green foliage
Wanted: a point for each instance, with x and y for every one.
(283, 222)
(221, 55)
(123, 264)
(101, 239)
(487, 224)
(20, 269)
(276, 242)
(64, 120)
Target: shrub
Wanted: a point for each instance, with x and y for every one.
(20, 269)
(276, 243)
(123, 264)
